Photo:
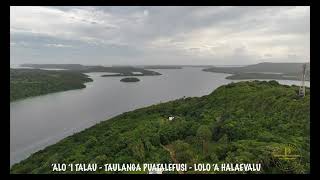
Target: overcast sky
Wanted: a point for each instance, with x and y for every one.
(159, 35)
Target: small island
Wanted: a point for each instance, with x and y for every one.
(130, 79)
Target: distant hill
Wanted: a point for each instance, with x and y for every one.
(56, 66)
(245, 122)
(122, 70)
(290, 71)
(172, 66)
(162, 67)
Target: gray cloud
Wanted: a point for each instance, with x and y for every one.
(159, 35)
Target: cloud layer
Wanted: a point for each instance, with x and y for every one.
(159, 35)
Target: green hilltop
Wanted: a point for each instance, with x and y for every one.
(240, 122)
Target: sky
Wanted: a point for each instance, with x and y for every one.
(220, 35)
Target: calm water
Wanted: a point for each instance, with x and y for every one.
(41, 121)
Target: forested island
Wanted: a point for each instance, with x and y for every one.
(285, 71)
(118, 70)
(130, 79)
(240, 122)
(33, 82)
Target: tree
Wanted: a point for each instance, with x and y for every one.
(204, 135)
(213, 157)
(137, 150)
(183, 152)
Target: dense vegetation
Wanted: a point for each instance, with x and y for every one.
(130, 79)
(238, 123)
(262, 76)
(288, 71)
(33, 82)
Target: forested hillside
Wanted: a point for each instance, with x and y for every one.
(237, 123)
(33, 82)
(288, 71)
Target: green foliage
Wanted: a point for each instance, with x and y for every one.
(240, 122)
(183, 152)
(33, 82)
(204, 135)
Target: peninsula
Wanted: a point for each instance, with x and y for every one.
(285, 71)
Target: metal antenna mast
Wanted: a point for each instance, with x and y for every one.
(302, 90)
